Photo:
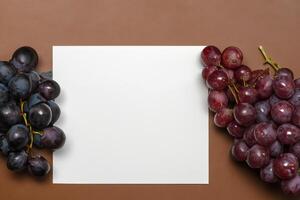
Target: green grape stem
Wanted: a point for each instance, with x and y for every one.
(268, 59)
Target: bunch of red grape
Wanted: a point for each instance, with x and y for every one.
(27, 113)
(260, 110)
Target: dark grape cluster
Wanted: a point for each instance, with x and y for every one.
(260, 110)
(27, 113)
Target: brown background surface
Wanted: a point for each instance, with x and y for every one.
(246, 24)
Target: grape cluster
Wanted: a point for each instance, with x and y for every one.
(27, 113)
(260, 110)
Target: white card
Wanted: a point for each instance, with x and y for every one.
(132, 115)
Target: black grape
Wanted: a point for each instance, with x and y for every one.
(18, 136)
(55, 111)
(49, 89)
(17, 161)
(40, 116)
(24, 59)
(38, 166)
(53, 138)
(7, 71)
(20, 86)
(4, 94)
(10, 113)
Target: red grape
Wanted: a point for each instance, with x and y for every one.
(217, 80)
(288, 134)
(286, 166)
(291, 186)
(264, 134)
(242, 74)
(297, 83)
(247, 95)
(239, 150)
(208, 70)
(232, 57)
(295, 99)
(276, 149)
(235, 130)
(264, 87)
(282, 111)
(211, 55)
(249, 136)
(295, 149)
(284, 72)
(244, 114)
(283, 87)
(263, 109)
(296, 116)
(223, 117)
(217, 100)
(258, 156)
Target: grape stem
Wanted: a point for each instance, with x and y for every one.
(233, 92)
(31, 131)
(268, 59)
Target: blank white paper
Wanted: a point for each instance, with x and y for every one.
(132, 115)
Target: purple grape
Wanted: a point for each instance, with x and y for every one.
(211, 55)
(291, 186)
(282, 111)
(258, 156)
(273, 99)
(295, 99)
(49, 89)
(55, 110)
(18, 136)
(283, 87)
(284, 72)
(4, 94)
(217, 100)
(20, 86)
(53, 138)
(295, 149)
(208, 71)
(239, 150)
(276, 149)
(235, 130)
(264, 87)
(288, 134)
(24, 59)
(7, 71)
(10, 113)
(286, 166)
(17, 161)
(223, 117)
(40, 116)
(264, 134)
(244, 114)
(263, 109)
(267, 173)
(38, 166)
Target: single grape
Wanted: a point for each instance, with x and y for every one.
(244, 114)
(282, 111)
(286, 166)
(249, 136)
(264, 134)
(263, 109)
(257, 157)
(264, 87)
(20, 86)
(288, 134)
(17, 161)
(18, 136)
(55, 110)
(40, 116)
(297, 83)
(35, 78)
(276, 149)
(295, 149)
(285, 72)
(239, 150)
(4, 94)
(274, 99)
(291, 186)
(38, 166)
(211, 55)
(296, 116)
(53, 138)
(207, 71)
(267, 173)
(247, 95)
(217, 80)
(232, 57)
(283, 87)
(4, 146)
(50, 89)
(10, 113)
(242, 74)
(235, 130)
(223, 117)
(295, 99)
(24, 59)
(7, 71)
(217, 100)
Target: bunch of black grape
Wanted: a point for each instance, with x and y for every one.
(260, 110)
(27, 113)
